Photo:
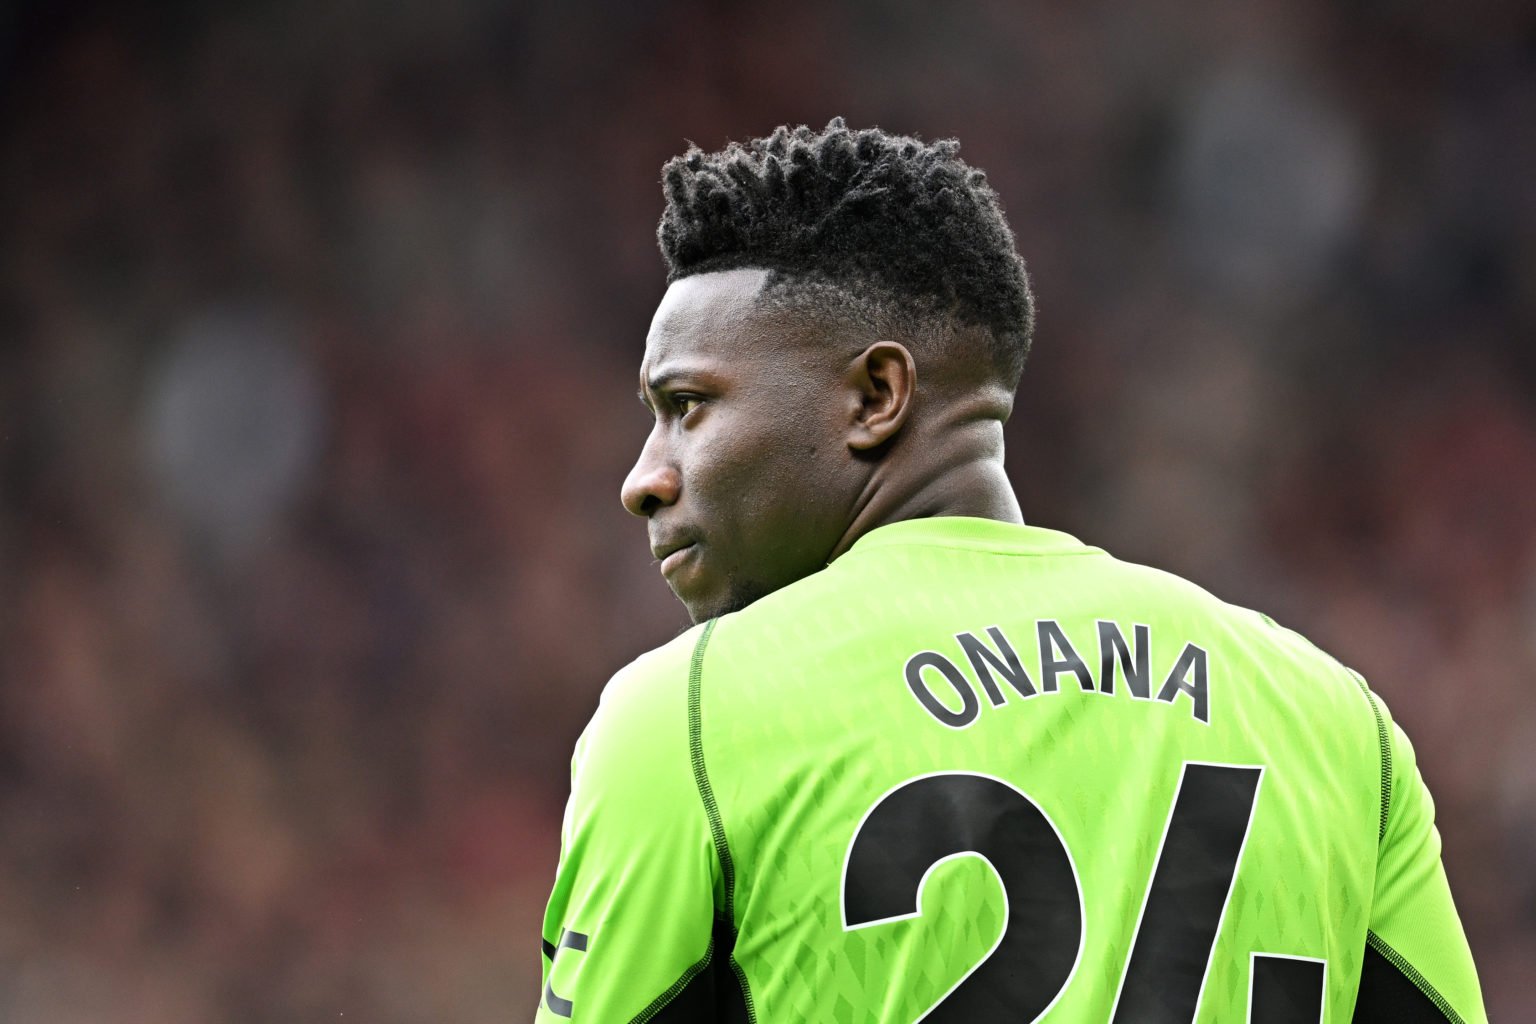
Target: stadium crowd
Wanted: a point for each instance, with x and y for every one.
(318, 332)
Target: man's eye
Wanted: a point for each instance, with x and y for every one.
(685, 404)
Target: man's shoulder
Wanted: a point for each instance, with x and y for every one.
(642, 715)
(1255, 631)
(657, 670)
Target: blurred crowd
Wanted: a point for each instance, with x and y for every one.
(318, 331)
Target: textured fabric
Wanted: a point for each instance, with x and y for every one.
(982, 772)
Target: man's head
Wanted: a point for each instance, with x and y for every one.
(815, 278)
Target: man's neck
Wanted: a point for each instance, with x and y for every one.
(976, 487)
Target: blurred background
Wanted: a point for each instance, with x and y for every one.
(319, 325)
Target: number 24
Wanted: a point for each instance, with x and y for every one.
(934, 818)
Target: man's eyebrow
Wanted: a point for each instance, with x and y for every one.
(661, 378)
(693, 375)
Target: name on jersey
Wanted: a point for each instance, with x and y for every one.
(948, 692)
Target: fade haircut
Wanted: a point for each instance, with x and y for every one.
(876, 231)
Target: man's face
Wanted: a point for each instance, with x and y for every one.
(746, 477)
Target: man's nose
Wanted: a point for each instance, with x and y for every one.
(653, 483)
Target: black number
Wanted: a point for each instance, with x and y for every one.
(1286, 989)
(936, 817)
(1189, 890)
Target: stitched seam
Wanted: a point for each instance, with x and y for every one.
(1419, 981)
(701, 775)
(660, 1002)
(711, 808)
(1386, 755)
(746, 989)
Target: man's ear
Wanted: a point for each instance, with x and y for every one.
(882, 381)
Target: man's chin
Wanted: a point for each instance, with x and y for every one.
(737, 596)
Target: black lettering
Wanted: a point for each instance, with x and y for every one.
(970, 707)
(1004, 660)
(568, 940)
(1136, 665)
(1057, 655)
(1189, 676)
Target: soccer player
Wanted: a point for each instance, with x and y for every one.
(918, 760)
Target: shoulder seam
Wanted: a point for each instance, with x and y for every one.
(701, 774)
(1384, 740)
(711, 807)
(1418, 980)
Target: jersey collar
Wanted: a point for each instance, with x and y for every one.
(975, 534)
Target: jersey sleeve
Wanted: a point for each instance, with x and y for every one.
(1417, 964)
(629, 933)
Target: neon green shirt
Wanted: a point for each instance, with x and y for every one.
(980, 772)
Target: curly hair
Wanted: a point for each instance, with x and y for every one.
(865, 225)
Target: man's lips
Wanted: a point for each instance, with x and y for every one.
(672, 551)
(674, 557)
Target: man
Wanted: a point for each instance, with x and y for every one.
(919, 761)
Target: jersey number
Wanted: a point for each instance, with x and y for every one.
(934, 818)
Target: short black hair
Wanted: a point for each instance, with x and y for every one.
(886, 223)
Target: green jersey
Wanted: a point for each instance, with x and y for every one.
(980, 772)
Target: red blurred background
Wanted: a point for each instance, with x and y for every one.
(319, 325)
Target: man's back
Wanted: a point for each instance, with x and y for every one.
(976, 771)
